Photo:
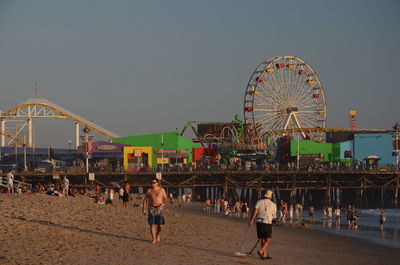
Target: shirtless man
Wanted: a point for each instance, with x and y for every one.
(125, 196)
(154, 201)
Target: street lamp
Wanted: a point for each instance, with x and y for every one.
(162, 151)
(86, 130)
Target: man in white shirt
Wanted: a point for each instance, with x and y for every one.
(65, 186)
(10, 181)
(264, 213)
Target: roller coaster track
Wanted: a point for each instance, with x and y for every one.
(305, 130)
(18, 139)
(43, 108)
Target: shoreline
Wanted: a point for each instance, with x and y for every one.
(41, 229)
(316, 227)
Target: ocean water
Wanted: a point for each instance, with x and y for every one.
(368, 226)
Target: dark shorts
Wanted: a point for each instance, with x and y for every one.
(125, 197)
(156, 216)
(264, 230)
(311, 214)
(156, 219)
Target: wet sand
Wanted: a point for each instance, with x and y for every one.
(42, 229)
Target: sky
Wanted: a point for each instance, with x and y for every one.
(141, 67)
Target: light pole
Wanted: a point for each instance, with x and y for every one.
(86, 130)
(298, 151)
(352, 114)
(24, 145)
(162, 152)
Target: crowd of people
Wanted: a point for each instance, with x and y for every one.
(237, 209)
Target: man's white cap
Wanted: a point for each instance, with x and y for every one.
(268, 194)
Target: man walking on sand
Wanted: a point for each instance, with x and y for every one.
(154, 201)
(65, 186)
(264, 213)
(125, 196)
(10, 181)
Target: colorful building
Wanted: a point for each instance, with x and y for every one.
(364, 147)
(374, 145)
(330, 151)
(166, 148)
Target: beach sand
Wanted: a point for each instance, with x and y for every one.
(42, 229)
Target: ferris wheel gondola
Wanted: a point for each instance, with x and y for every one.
(285, 92)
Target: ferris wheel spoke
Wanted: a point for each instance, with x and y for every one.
(271, 119)
(307, 104)
(307, 111)
(266, 93)
(270, 99)
(267, 119)
(305, 100)
(302, 92)
(274, 125)
(267, 110)
(308, 122)
(285, 97)
(300, 84)
(272, 78)
(264, 101)
(279, 124)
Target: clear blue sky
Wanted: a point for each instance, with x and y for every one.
(138, 67)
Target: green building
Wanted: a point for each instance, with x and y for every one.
(171, 145)
(331, 151)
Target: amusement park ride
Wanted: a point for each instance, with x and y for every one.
(284, 97)
(21, 118)
(284, 93)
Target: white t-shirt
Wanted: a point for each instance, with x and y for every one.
(266, 211)
(337, 212)
(10, 178)
(65, 183)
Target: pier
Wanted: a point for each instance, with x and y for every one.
(365, 189)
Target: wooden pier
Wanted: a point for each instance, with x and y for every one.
(362, 188)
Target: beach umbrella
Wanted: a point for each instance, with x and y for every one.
(114, 184)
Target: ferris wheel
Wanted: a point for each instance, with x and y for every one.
(283, 93)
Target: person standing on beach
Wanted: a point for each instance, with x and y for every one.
(10, 181)
(125, 196)
(329, 212)
(207, 206)
(65, 186)
(349, 216)
(337, 215)
(382, 220)
(121, 193)
(154, 202)
(264, 213)
(311, 214)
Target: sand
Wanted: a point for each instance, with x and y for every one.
(42, 229)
